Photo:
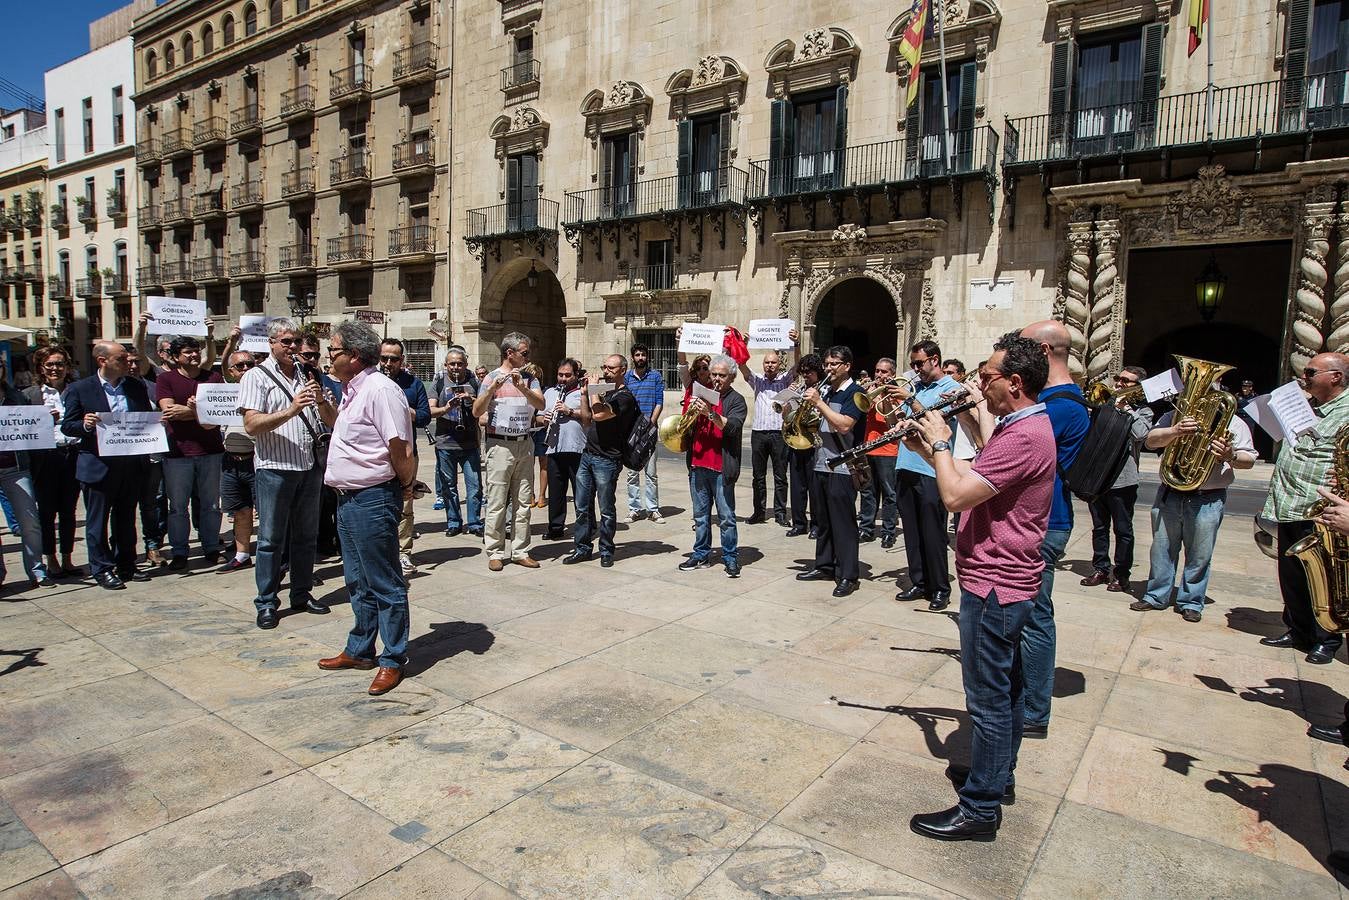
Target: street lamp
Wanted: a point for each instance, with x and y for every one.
(532, 279)
(301, 307)
(1209, 287)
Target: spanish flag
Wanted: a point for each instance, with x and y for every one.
(911, 47)
(1198, 23)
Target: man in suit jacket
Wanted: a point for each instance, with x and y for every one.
(111, 486)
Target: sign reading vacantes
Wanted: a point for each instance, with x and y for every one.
(176, 315)
(26, 428)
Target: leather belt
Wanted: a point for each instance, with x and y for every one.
(508, 437)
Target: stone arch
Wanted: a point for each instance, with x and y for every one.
(506, 287)
(820, 284)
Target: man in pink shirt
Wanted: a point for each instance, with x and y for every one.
(372, 469)
(1005, 493)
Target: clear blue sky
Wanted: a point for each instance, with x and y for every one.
(40, 34)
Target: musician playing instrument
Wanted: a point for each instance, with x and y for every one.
(800, 463)
(1190, 517)
(564, 440)
(765, 437)
(833, 493)
(1116, 506)
(1303, 466)
(714, 466)
(879, 418)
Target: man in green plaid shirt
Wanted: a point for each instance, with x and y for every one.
(1302, 467)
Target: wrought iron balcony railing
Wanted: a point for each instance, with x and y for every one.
(208, 131)
(355, 247)
(1241, 112)
(60, 217)
(209, 268)
(297, 256)
(416, 61)
(148, 216)
(147, 150)
(350, 168)
(86, 211)
(411, 240)
(297, 182)
(506, 219)
(89, 286)
(246, 194)
(175, 142)
(350, 83)
(714, 189)
(117, 284)
(116, 203)
(149, 276)
(414, 154)
(175, 209)
(245, 263)
(663, 277)
(58, 289)
(30, 273)
(246, 118)
(520, 75)
(209, 205)
(297, 101)
(177, 272)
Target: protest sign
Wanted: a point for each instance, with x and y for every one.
(700, 337)
(26, 428)
(131, 434)
(770, 334)
(176, 315)
(218, 404)
(254, 336)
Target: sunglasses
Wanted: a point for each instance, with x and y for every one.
(289, 342)
(308, 354)
(243, 365)
(391, 358)
(918, 363)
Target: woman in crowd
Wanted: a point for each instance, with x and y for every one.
(54, 470)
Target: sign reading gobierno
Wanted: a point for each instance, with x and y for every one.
(176, 315)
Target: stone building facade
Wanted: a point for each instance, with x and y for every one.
(622, 168)
(23, 186)
(293, 148)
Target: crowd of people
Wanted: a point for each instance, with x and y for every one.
(324, 464)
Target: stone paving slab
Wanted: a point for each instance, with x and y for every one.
(641, 732)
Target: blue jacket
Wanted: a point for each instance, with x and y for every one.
(86, 396)
(417, 400)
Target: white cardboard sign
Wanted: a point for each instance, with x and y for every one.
(176, 315)
(26, 428)
(1163, 386)
(770, 334)
(218, 404)
(131, 434)
(254, 336)
(700, 337)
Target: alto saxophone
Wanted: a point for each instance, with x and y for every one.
(1187, 462)
(1324, 553)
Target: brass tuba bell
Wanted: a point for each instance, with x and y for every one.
(1186, 461)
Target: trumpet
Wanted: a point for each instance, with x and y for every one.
(904, 426)
(788, 397)
(876, 395)
(1099, 393)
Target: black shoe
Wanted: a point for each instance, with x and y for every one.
(757, 519)
(553, 536)
(887, 542)
(845, 587)
(606, 561)
(690, 564)
(234, 565)
(110, 581)
(178, 564)
(455, 531)
(913, 593)
(134, 575)
(732, 570)
(310, 605)
(1331, 734)
(865, 537)
(577, 556)
(953, 825)
(267, 617)
(940, 600)
(211, 558)
(960, 774)
(814, 534)
(815, 574)
(1322, 654)
(1283, 641)
(476, 532)
(45, 581)
(795, 531)
(781, 519)
(1035, 731)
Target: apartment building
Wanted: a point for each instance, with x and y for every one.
(623, 168)
(23, 182)
(292, 152)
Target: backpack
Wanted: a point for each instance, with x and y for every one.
(1104, 449)
(641, 443)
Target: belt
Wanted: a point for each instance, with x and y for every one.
(351, 492)
(508, 437)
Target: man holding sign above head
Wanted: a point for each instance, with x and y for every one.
(714, 464)
(192, 468)
(765, 437)
(111, 484)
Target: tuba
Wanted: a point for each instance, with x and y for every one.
(1187, 462)
(676, 430)
(801, 426)
(1324, 553)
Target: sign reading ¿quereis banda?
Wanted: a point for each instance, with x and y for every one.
(131, 434)
(26, 428)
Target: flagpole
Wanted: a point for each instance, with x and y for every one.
(939, 9)
(1208, 90)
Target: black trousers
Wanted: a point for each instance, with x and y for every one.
(110, 516)
(1113, 508)
(801, 465)
(57, 493)
(562, 469)
(834, 500)
(883, 483)
(1297, 600)
(763, 446)
(924, 520)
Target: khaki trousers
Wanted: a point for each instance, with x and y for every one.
(405, 528)
(508, 475)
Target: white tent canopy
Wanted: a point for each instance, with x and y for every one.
(10, 333)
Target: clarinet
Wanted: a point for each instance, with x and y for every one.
(847, 457)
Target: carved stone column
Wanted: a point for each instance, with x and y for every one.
(1309, 312)
(1076, 313)
(1338, 337)
(1102, 337)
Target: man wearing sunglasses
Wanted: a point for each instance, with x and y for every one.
(1303, 466)
(419, 407)
(236, 474)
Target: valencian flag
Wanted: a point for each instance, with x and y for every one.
(911, 47)
(1198, 19)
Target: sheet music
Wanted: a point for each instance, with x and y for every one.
(1291, 408)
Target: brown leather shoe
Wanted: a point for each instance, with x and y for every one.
(1095, 578)
(342, 661)
(495, 565)
(1118, 586)
(386, 679)
(528, 562)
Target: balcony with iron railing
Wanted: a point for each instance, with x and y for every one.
(177, 271)
(59, 289)
(415, 63)
(31, 272)
(86, 212)
(148, 217)
(352, 169)
(298, 101)
(297, 256)
(175, 142)
(663, 277)
(210, 205)
(60, 216)
(245, 264)
(715, 189)
(521, 75)
(209, 131)
(149, 276)
(117, 284)
(246, 195)
(245, 119)
(147, 151)
(175, 209)
(415, 156)
(209, 268)
(507, 219)
(353, 248)
(297, 183)
(116, 204)
(89, 286)
(350, 84)
(411, 241)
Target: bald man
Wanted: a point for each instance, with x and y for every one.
(1303, 466)
(1069, 416)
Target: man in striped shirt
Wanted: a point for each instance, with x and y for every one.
(280, 401)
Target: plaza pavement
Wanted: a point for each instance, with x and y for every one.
(638, 732)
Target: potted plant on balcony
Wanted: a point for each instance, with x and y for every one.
(84, 207)
(116, 204)
(110, 280)
(59, 215)
(32, 209)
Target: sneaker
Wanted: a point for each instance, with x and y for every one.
(406, 564)
(1191, 615)
(689, 565)
(657, 518)
(633, 516)
(439, 504)
(732, 569)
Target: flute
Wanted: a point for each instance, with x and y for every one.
(896, 433)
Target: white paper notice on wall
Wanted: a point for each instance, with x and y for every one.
(176, 315)
(989, 293)
(218, 404)
(770, 334)
(701, 337)
(1163, 386)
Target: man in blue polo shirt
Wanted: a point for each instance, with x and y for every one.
(648, 386)
(1070, 419)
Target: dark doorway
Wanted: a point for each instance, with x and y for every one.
(860, 314)
(1247, 330)
(537, 311)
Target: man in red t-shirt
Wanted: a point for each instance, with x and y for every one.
(192, 468)
(1006, 493)
(881, 487)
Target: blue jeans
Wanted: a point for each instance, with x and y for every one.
(991, 643)
(1038, 638)
(652, 504)
(449, 462)
(288, 519)
(597, 477)
(16, 486)
(367, 524)
(184, 477)
(707, 487)
(1188, 518)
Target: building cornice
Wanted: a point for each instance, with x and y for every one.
(127, 151)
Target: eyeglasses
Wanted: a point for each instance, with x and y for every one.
(243, 365)
(987, 378)
(1309, 374)
(308, 354)
(335, 352)
(918, 363)
(391, 358)
(287, 341)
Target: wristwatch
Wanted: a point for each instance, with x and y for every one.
(939, 446)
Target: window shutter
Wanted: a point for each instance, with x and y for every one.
(685, 163)
(1060, 92)
(779, 144)
(630, 192)
(913, 127)
(529, 190)
(724, 153)
(840, 134)
(1295, 56)
(969, 75)
(607, 175)
(1150, 86)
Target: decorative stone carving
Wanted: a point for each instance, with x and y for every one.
(814, 45)
(620, 94)
(1210, 204)
(953, 14)
(524, 131)
(710, 69)
(1103, 325)
(850, 238)
(1338, 337)
(927, 313)
(1309, 312)
(716, 84)
(827, 56)
(624, 106)
(1076, 313)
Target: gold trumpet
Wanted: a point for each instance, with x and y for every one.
(1099, 393)
(676, 430)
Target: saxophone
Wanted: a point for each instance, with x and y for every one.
(1324, 553)
(1187, 462)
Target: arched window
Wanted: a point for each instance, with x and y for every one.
(207, 39)
(151, 64)
(169, 58)
(274, 13)
(189, 47)
(250, 20)
(227, 26)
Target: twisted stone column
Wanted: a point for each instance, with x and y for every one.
(1338, 337)
(1101, 333)
(1076, 312)
(1309, 314)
